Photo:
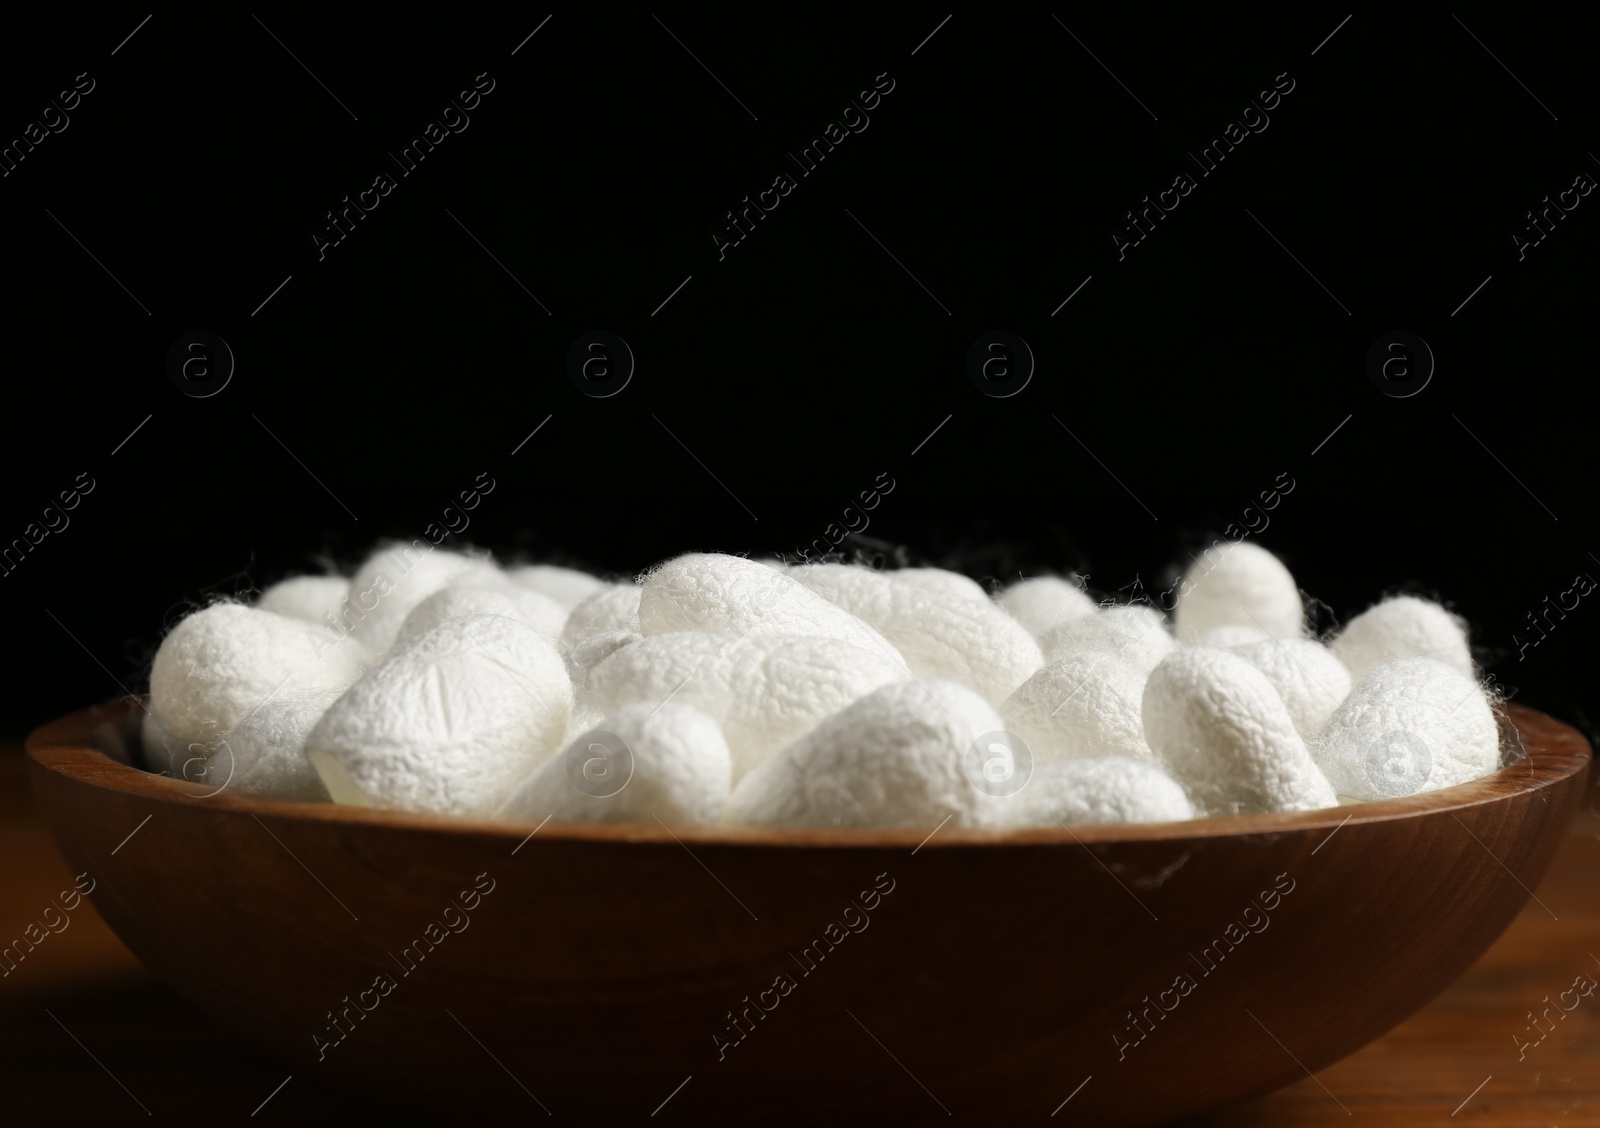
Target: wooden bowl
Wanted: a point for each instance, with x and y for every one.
(1106, 975)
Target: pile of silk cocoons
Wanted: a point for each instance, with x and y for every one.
(716, 690)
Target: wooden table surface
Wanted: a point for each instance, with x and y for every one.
(86, 1034)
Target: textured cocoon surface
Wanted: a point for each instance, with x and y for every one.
(1134, 632)
(1217, 724)
(781, 688)
(593, 650)
(1233, 636)
(680, 772)
(942, 582)
(705, 591)
(1241, 585)
(964, 640)
(1099, 789)
(306, 597)
(1045, 603)
(1404, 627)
(1311, 681)
(393, 581)
(265, 752)
(484, 595)
(685, 666)
(614, 607)
(450, 722)
(893, 759)
(221, 662)
(765, 692)
(1087, 703)
(567, 586)
(1414, 724)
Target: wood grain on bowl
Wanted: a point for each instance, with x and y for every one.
(1136, 973)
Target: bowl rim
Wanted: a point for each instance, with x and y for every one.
(73, 747)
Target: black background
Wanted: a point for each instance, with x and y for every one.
(807, 362)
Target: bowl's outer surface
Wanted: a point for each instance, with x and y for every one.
(999, 975)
